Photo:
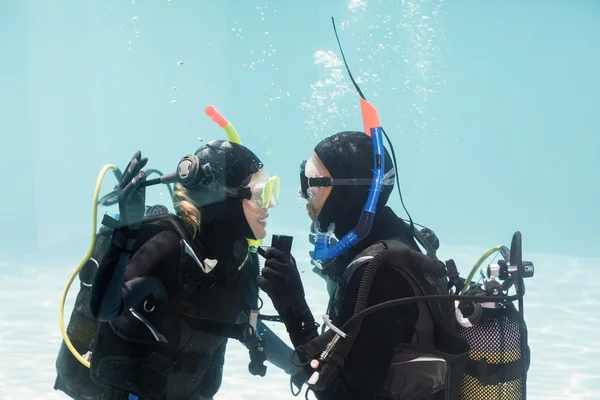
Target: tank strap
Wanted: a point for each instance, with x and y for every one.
(494, 374)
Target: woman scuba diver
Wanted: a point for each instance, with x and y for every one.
(171, 290)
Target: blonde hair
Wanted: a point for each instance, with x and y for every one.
(186, 209)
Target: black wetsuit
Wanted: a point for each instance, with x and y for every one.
(153, 272)
(368, 361)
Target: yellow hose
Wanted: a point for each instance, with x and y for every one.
(83, 262)
(488, 253)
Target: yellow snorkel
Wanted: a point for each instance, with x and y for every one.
(229, 129)
(232, 136)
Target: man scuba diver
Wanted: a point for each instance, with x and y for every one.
(393, 329)
(335, 182)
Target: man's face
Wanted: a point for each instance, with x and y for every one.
(316, 195)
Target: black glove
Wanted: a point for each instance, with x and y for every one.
(431, 237)
(131, 195)
(281, 280)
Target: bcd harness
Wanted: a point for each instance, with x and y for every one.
(124, 363)
(437, 358)
(437, 350)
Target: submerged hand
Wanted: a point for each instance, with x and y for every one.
(281, 280)
(131, 195)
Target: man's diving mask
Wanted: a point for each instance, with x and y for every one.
(307, 182)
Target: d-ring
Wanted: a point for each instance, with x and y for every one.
(146, 307)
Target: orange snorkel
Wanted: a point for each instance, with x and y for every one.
(369, 116)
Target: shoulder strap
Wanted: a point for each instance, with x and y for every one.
(174, 223)
(426, 277)
(427, 273)
(399, 256)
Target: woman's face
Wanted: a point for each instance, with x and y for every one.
(255, 213)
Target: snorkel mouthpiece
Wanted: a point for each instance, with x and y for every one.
(365, 222)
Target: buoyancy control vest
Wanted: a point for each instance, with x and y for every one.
(432, 366)
(73, 378)
(485, 318)
(175, 346)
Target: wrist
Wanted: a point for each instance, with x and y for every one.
(297, 316)
(302, 332)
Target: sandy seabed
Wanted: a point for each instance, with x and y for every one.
(561, 309)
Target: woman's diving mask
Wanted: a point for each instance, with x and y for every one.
(265, 192)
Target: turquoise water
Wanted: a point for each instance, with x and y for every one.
(491, 107)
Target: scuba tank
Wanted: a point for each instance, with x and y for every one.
(496, 331)
(72, 377)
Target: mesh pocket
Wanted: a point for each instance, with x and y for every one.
(82, 326)
(495, 340)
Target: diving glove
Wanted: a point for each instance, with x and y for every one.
(281, 281)
(131, 193)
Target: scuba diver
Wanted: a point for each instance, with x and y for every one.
(394, 332)
(218, 214)
(335, 182)
(169, 292)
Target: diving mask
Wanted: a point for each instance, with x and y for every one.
(307, 180)
(265, 192)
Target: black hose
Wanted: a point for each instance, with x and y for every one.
(343, 348)
(407, 300)
(112, 197)
(155, 171)
(251, 295)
